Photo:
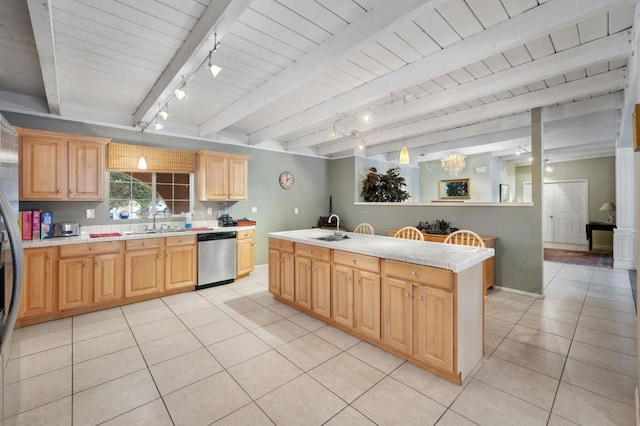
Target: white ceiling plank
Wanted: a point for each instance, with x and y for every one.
(194, 9)
(524, 27)
(267, 55)
(497, 62)
(417, 38)
(514, 78)
(575, 75)
(218, 18)
(621, 18)
(343, 45)
(365, 61)
(399, 47)
(461, 76)
(446, 81)
(41, 22)
(343, 77)
(540, 47)
(516, 7)
(276, 30)
(613, 80)
(478, 69)
(438, 29)
(554, 81)
(489, 12)
(322, 17)
(431, 86)
(593, 28)
(598, 68)
(517, 55)
(460, 17)
(384, 56)
(265, 40)
(354, 70)
(346, 10)
(565, 38)
(290, 19)
(538, 85)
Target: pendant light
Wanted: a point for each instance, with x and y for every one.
(404, 152)
(214, 69)
(181, 91)
(142, 162)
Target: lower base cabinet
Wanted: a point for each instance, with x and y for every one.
(144, 267)
(281, 269)
(37, 295)
(181, 262)
(312, 283)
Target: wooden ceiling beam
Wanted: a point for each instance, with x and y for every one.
(528, 26)
(42, 25)
(342, 45)
(219, 16)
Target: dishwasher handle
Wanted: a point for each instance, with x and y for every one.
(212, 236)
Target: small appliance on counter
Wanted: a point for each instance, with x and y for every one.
(226, 220)
(66, 229)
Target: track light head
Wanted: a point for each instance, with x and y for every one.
(215, 70)
(180, 93)
(164, 114)
(158, 126)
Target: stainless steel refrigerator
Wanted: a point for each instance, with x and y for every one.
(11, 256)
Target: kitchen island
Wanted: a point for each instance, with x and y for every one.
(421, 301)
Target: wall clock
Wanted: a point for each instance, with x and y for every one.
(286, 180)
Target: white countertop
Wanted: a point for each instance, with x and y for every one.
(126, 235)
(453, 257)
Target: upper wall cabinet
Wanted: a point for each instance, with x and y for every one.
(61, 166)
(222, 177)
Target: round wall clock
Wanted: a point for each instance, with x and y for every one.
(286, 180)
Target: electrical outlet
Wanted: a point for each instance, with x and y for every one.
(295, 211)
(91, 214)
(254, 210)
(209, 210)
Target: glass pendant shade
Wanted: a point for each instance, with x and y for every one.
(404, 155)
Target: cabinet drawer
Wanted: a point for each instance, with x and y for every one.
(359, 261)
(419, 274)
(144, 244)
(242, 235)
(282, 245)
(313, 251)
(79, 250)
(182, 240)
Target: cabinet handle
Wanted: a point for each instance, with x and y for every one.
(414, 273)
(306, 267)
(84, 264)
(358, 281)
(48, 256)
(96, 263)
(348, 278)
(407, 295)
(143, 243)
(70, 192)
(90, 247)
(354, 261)
(166, 255)
(59, 191)
(420, 298)
(158, 256)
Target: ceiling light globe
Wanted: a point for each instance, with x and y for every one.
(163, 114)
(180, 93)
(158, 126)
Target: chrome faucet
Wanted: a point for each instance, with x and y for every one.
(337, 223)
(154, 219)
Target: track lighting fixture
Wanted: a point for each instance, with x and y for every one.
(158, 125)
(163, 113)
(214, 69)
(403, 158)
(181, 91)
(366, 117)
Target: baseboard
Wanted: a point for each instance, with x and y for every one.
(603, 248)
(622, 264)
(637, 408)
(523, 293)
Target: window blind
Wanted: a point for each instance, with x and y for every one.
(124, 158)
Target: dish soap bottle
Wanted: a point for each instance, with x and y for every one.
(187, 220)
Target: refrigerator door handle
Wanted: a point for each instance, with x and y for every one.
(15, 239)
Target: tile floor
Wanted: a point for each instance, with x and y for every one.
(233, 356)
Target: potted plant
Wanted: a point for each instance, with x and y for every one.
(385, 188)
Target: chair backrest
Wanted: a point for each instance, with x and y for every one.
(364, 228)
(465, 237)
(410, 233)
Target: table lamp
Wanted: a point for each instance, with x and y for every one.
(611, 209)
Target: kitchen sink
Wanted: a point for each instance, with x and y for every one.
(156, 231)
(332, 238)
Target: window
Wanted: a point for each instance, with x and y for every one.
(135, 195)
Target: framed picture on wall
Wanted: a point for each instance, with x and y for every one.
(504, 193)
(455, 189)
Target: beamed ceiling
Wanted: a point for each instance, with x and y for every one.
(440, 76)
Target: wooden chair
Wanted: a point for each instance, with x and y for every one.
(364, 228)
(410, 233)
(464, 237)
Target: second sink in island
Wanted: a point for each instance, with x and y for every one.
(421, 301)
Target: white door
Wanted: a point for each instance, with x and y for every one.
(565, 212)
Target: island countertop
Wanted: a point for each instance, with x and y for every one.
(453, 257)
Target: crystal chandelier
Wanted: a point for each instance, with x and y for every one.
(453, 164)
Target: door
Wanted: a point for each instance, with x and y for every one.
(303, 282)
(43, 168)
(144, 272)
(433, 321)
(245, 256)
(37, 296)
(396, 314)
(274, 271)
(180, 266)
(321, 288)
(366, 298)
(86, 170)
(75, 278)
(342, 295)
(565, 207)
(287, 276)
(108, 277)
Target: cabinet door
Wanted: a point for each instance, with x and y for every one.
(213, 180)
(321, 288)
(396, 314)
(37, 295)
(75, 282)
(108, 277)
(342, 295)
(433, 326)
(303, 282)
(366, 299)
(86, 170)
(245, 256)
(287, 276)
(144, 272)
(238, 179)
(181, 266)
(43, 168)
(274, 271)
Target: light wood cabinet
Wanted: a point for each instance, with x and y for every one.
(37, 295)
(181, 269)
(222, 177)
(245, 252)
(417, 312)
(313, 278)
(144, 267)
(281, 269)
(356, 289)
(89, 274)
(61, 166)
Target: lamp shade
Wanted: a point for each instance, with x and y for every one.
(610, 207)
(404, 155)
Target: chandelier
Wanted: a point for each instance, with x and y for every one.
(453, 163)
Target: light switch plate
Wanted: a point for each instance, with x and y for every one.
(91, 214)
(295, 211)
(254, 210)
(209, 210)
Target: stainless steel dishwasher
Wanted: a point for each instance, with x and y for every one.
(216, 258)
